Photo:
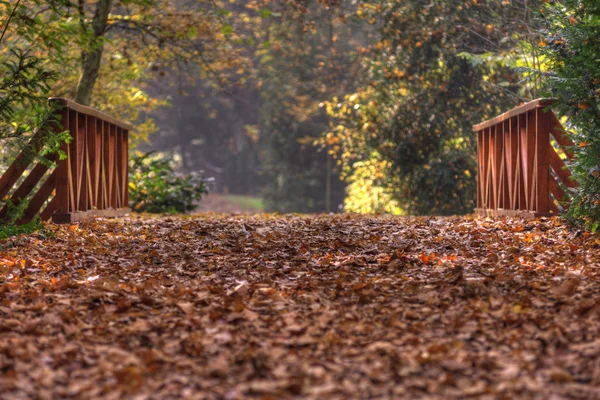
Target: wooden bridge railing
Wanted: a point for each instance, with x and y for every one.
(90, 181)
(520, 171)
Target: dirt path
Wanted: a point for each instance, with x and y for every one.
(218, 203)
(311, 307)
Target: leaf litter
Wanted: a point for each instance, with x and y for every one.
(271, 307)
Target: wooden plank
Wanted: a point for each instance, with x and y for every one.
(526, 214)
(112, 193)
(98, 163)
(532, 105)
(555, 189)
(90, 149)
(506, 159)
(62, 172)
(94, 148)
(38, 200)
(46, 214)
(104, 173)
(481, 168)
(478, 177)
(72, 157)
(26, 187)
(498, 155)
(521, 183)
(554, 208)
(125, 158)
(81, 201)
(524, 157)
(493, 169)
(118, 167)
(542, 167)
(488, 172)
(504, 181)
(558, 166)
(84, 215)
(89, 111)
(23, 160)
(560, 135)
(513, 162)
(530, 160)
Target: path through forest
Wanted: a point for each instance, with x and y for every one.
(321, 307)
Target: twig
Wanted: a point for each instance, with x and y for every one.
(12, 14)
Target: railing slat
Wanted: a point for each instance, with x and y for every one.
(542, 168)
(118, 175)
(38, 200)
(23, 160)
(26, 187)
(110, 155)
(50, 209)
(555, 189)
(560, 135)
(62, 172)
(126, 167)
(80, 146)
(558, 166)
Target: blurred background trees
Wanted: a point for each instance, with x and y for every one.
(432, 73)
(314, 105)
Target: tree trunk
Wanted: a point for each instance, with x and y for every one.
(91, 54)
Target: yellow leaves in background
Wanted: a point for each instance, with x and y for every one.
(367, 192)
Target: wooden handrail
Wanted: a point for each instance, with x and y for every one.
(519, 172)
(92, 112)
(91, 181)
(532, 105)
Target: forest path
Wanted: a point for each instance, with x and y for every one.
(315, 307)
(231, 204)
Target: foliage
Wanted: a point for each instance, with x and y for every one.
(25, 77)
(368, 191)
(155, 187)
(426, 80)
(112, 60)
(24, 82)
(572, 46)
(10, 230)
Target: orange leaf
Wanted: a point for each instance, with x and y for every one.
(583, 106)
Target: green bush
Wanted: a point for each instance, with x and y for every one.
(155, 186)
(10, 230)
(572, 47)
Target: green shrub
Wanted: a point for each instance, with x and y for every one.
(155, 186)
(572, 47)
(8, 230)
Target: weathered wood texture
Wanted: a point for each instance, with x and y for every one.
(519, 169)
(90, 181)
